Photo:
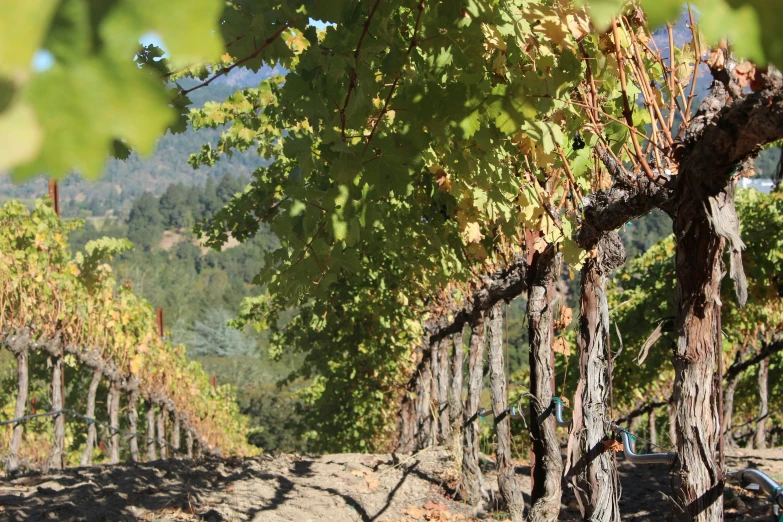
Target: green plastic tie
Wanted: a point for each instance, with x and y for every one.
(557, 400)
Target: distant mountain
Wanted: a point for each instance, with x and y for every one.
(122, 181)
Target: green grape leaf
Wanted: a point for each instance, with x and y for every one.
(83, 108)
(23, 28)
(189, 28)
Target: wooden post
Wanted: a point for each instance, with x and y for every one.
(159, 319)
(54, 195)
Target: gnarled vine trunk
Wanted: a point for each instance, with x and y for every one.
(86, 459)
(444, 383)
(760, 437)
(652, 431)
(423, 407)
(547, 466)
(175, 436)
(113, 404)
(509, 488)
(593, 470)
(434, 405)
(698, 477)
(472, 482)
(57, 455)
(455, 393)
(189, 443)
(18, 344)
(133, 423)
(164, 451)
(151, 453)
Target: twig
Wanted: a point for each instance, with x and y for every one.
(233, 66)
(626, 106)
(356, 55)
(413, 44)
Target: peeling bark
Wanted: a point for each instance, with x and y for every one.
(509, 489)
(407, 440)
(435, 405)
(151, 454)
(164, 451)
(760, 438)
(133, 423)
(423, 410)
(175, 435)
(547, 467)
(57, 455)
(593, 470)
(189, 443)
(86, 459)
(698, 477)
(471, 486)
(18, 344)
(455, 393)
(444, 383)
(113, 405)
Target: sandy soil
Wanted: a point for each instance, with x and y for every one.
(349, 487)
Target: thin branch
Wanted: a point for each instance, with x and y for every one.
(626, 106)
(233, 66)
(413, 44)
(356, 56)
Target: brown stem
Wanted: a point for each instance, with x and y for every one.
(626, 106)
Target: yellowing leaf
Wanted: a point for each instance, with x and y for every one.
(189, 28)
(23, 27)
(20, 135)
(472, 233)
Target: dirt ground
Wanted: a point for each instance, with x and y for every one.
(349, 487)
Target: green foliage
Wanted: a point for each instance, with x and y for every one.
(76, 300)
(112, 103)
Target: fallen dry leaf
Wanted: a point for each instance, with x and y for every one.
(434, 506)
(565, 401)
(613, 445)
(415, 513)
(372, 482)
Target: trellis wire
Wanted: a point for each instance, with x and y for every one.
(88, 420)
